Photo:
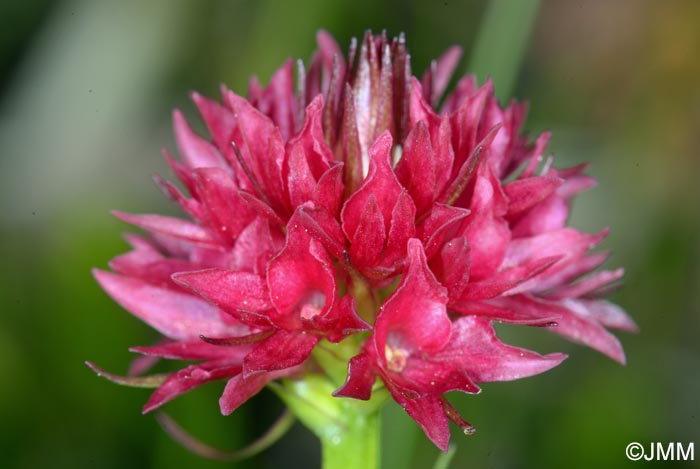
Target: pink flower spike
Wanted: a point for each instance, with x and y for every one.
(335, 218)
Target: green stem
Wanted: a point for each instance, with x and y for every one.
(356, 446)
(348, 428)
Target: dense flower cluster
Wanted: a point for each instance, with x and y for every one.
(348, 207)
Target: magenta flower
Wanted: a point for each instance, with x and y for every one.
(352, 209)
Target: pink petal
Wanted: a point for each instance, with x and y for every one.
(360, 380)
(420, 109)
(350, 142)
(465, 88)
(141, 365)
(308, 156)
(196, 152)
(587, 285)
(169, 226)
(571, 270)
(535, 155)
(524, 193)
(487, 232)
(368, 240)
(176, 315)
(606, 313)
(329, 190)
(278, 100)
(566, 242)
(440, 73)
(262, 149)
(547, 216)
(157, 272)
(219, 120)
(380, 183)
(575, 183)
(313, 140)
(301, 279)
(181, 170)
(403, 227)
(485, 358)
(341, 321)
(187, 379)
(260, 207)
(413, 318)
(241, 388)
(488, 310)
(416, 168)
(192, 350)
(574, 324)
(190, 206)
(452, 265)
(328, 54)
(255, 246)
(444, 154)
(429, 413)
(465, 123)
(505, 280)
(457, 193)
(300, 180)
(283, 349)
(228, 212)
(434, 374)
(442, 223)
(322, 227)
(231, 291)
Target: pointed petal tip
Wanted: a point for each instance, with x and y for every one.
(224, 408)
(124, 216)
(178, 118)
(556, 357)
(324, 35)
(149, 407)
(455, 49)
(103, 277)
(383, 143)
(630, 326)
(443, 446)
(181, 277)
(414, 248)
(616, 353)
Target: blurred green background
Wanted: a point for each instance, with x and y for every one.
(86, 90)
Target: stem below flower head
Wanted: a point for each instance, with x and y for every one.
(348, 428)
(355, 447)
